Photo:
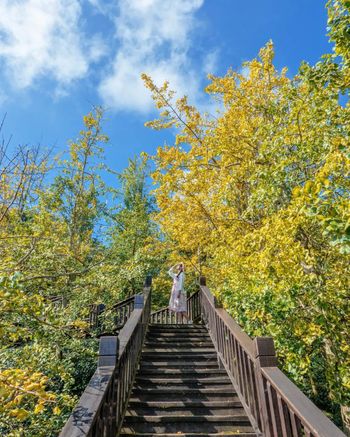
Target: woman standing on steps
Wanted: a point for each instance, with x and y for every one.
(178, 302)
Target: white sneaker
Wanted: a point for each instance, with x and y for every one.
(190, 322)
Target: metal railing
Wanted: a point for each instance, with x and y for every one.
(101, 408)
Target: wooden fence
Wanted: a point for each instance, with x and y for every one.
(101, 407)
(275, 406)
(165, 316)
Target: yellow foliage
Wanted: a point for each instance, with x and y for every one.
(259, 201)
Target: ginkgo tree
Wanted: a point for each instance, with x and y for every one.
(48, 250)
(261, 192)
(56, 262)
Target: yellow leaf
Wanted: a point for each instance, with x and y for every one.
(57, 411)
(38, 409)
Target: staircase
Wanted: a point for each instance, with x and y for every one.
(177, 387)
(180, 390)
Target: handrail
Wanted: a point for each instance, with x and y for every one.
(297, 412)
(124, 302)
(101, 408)
(121, 310)
(165, 316)
(275, 406)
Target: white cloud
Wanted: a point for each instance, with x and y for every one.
(42, 38)
(154, 36)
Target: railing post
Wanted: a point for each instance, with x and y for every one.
(108, 353)
(139, 301)
(100, 309)
(95, 312)
(217, 302)
(108, 357)
(148, 281)
(265, 356)
(203, 283)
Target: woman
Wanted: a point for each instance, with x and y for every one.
(178, 302)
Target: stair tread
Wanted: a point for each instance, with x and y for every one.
(195, 328)
(181, 379)
(186, 412)
(188, 419)
(184, 372)
(125, 433)
(176, 340)
(184, 404)
(176, 334)
(184, 390)
(178, 352)
(212, 363)
(176, 325)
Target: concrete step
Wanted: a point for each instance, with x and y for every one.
(181, 424)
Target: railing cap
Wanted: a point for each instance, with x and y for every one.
(139, 301)
(108, 353)
(265, 353)
(264, 346)
(148, 281)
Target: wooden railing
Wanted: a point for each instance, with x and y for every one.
(121, 312)
(94, 316)
(101, 408)
(275, 406)
(165, 316)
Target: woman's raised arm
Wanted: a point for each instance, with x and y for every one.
(171, 273)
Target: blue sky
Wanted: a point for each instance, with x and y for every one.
(59, 57)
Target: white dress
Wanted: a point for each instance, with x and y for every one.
(177, 302)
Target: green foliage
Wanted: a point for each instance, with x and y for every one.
(266, 186)
(54, 266)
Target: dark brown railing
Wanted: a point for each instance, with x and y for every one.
(101, 408)
(121, 312)
(94, 315)
(275, 406)
(165, 316)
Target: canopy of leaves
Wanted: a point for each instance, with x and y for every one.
(259, 196)
(56, 264)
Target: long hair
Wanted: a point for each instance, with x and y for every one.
(181, 270)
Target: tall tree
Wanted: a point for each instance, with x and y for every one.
(266, 188)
